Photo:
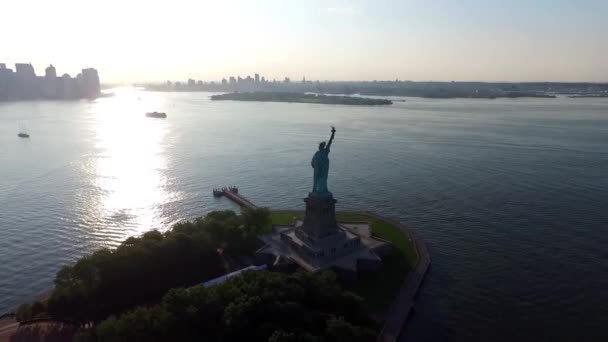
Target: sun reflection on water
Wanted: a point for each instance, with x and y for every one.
(131, 162)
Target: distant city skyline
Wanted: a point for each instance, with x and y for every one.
(435, 89)
(23, 83)
(469, 40)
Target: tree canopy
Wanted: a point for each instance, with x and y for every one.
(256, 306)
(142, 269)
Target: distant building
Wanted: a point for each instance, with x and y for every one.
(224, 81)
(232, 80)
(50, 72)
(49, 86)
(26, 85)
(287, 80)
(90, 83)
(67, 88)
(191, 83)
(6, 80)
(257, 78)
(23, 84)
(4, 70)
(25, 70)
(263, 80)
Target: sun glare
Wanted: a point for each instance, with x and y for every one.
(131, 161)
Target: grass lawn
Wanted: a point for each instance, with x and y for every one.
(378, 288)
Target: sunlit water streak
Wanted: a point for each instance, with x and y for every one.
(509, 194)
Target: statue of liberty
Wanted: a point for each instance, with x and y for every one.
(320, 162)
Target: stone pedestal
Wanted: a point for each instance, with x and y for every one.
(320, 217)
(319, 242)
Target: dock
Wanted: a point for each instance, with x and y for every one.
(232, 193)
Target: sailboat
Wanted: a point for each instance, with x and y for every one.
(23, 132)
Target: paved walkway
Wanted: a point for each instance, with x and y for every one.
(38, 330)
(8, 326)
(404, 302)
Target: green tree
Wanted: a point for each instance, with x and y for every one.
(256, 306)
(142, 269)
(23, 313)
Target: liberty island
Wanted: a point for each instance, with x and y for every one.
(351, 248)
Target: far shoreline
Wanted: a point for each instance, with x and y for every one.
(391, 97)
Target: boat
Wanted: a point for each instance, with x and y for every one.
(23, 132)
(159, 115)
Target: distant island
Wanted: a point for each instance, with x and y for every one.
(24, 84)
(588, 96)
(300, 98)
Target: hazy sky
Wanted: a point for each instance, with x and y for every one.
(488, 40)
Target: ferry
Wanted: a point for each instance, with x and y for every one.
(159, 115)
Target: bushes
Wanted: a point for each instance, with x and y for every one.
(27, 312)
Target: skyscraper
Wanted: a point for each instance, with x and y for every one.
(49, 83)
(257, 78)
(67, 87)
(50, 72)
(90, 83)
(26, 84)
(25, 70)
(6, 80)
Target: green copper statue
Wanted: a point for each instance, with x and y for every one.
(320, 162)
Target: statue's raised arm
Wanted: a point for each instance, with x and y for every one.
(331, 139)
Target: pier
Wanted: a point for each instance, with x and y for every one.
(232, 193)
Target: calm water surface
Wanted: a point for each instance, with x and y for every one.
(511, 195)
